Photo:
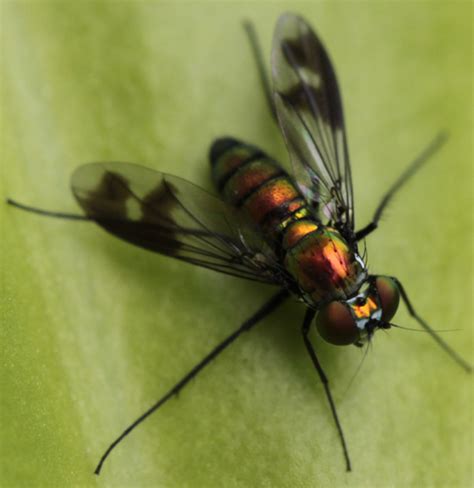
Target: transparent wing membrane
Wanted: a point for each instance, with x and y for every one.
(309, 109)
(171, 216)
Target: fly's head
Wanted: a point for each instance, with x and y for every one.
(354, 320)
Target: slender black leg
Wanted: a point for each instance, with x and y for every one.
(271, 305)
(414, 166)
(262, 72)
(305, 330)
(46, 213)
(448, 349)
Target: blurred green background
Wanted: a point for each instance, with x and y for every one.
(94, 330)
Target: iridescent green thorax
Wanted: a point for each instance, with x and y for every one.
(324, 266)
(317, 257)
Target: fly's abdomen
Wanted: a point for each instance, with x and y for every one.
(250, 180)
(316, 256)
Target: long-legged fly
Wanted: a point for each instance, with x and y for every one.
(291, 230)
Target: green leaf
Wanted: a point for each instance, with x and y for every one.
(94, 331)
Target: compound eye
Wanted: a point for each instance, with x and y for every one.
(389, 296)
(336, 324)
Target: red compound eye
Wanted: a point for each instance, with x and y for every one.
(336, 324)
(389, 296)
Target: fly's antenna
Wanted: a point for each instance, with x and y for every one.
(420, 330)
(46, 213)
(427, 328)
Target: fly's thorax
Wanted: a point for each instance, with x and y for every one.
(251, 181)
(322, 263)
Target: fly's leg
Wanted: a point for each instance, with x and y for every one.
(271, 305)
(414, 166)
(46, 213)
(305, 330)
(448, 349)
(259, 60)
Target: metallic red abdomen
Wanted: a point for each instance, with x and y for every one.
(250, 180)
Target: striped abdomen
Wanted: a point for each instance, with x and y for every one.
(317, 256)
(251, 181)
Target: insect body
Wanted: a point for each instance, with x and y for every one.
(293, 230)
(322, 264)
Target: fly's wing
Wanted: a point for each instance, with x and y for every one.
(170, 216)
(309, 110)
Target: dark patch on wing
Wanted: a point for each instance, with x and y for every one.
(154, 230)
(304, 53)
(109, 198)
(295, 52)
(310, 113)
(175, 218)
(158, 204)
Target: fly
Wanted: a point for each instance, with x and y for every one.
(292, 230)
